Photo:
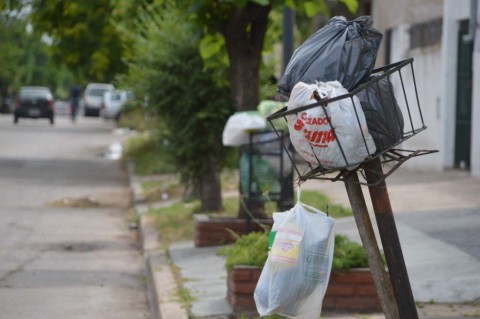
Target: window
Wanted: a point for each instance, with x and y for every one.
(426, 33)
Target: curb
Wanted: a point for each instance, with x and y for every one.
(161, 284)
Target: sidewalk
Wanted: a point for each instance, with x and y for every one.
(444, 271)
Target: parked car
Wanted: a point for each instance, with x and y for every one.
(34, 102)
(61, 107)
(113, 102)
(6, 105)
(93, 97)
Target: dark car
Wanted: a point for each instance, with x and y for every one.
(34, 102)
(5, 105)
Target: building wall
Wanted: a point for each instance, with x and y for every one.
(388, 14)
(399, 16)
(427, 71)
(475, 155)
(435, 72)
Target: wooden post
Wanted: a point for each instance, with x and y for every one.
(390, 241)
(364, 225)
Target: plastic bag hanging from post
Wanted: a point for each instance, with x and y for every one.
(343, 51)
(296, 274)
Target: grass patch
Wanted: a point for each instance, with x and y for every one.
(133, 118)
(185, 297)
(148, 156)
(321, 201)
(230, 206)
(153, 190)
(309, 197)
(175, 223)
(229, 180)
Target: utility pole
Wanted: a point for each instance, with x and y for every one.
(287, 36)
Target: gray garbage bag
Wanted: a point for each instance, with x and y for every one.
(383, 115)
(342, 50)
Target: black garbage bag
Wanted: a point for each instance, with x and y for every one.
(342, 50)
(382, 113)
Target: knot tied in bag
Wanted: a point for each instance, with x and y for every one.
(343, 51)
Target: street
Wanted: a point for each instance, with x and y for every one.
(66, 250)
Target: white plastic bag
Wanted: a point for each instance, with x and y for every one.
(296, 274)
(313, 137)
(235, 132)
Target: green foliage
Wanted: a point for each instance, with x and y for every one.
(174, 223)
(134, 118)
(215, 58)
(83, 35)
(148, 154)
(153, 190)
(24, 57)
(185, 296)
(348, 254)
(250, 249)
(192, 109)
(352, 5)
(322, 202)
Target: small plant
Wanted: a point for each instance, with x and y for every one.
(252, 250)
(348, 254)
(184, 296)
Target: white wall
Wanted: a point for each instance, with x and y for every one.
(389, 14)
(427, 70)
(475, 154)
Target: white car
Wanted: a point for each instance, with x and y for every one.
(93, 97)
(113, 102)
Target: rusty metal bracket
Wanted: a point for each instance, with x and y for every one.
(397, 156)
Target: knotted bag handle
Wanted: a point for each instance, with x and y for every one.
(312, 209)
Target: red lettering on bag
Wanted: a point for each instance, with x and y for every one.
(316, 136)
(319, 138)
(298, 125)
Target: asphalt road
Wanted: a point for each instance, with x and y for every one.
(66, 250)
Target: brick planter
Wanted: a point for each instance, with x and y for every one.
(354, 290)
(241, 284)
(211, 230)
(347, 291)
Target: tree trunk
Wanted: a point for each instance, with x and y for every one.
(210, 190)
(244, 34)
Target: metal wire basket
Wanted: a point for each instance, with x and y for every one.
(391, 106)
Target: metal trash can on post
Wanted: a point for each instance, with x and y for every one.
(392, 110)
(266, 174)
